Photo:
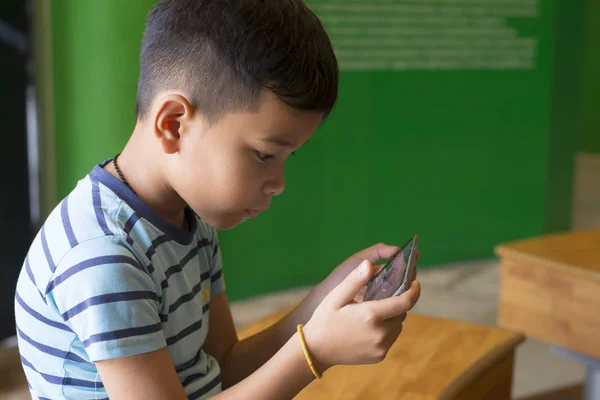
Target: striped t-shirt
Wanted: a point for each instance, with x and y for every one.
(107, 277)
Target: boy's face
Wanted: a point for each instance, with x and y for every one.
(230, 170)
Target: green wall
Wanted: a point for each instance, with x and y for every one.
(95, 63)
(465, 159)
(590, 138)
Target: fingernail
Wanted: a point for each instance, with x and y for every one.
(362, 269)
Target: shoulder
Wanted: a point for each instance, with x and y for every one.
(97, 270)
(98, 261)
(84, 219)
(108, 298)
(89, 211)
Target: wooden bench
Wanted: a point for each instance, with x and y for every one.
(433, 359)
(550, 290)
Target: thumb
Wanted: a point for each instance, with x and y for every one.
(345, 292)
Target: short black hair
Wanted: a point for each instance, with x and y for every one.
(222, 53)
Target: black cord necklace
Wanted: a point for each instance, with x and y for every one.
(114, 162)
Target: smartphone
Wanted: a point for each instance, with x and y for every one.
(396, 276)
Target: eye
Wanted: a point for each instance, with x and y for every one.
(264, 156)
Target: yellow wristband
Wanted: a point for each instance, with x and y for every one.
(306, 353)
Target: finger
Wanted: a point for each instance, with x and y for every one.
(377, 252)
(347, 290)
(415, 269)
(393, 336)
(361, 294)
(398, 305)
(395, 324)
(393, 327)
(400, 319)
(377, 269)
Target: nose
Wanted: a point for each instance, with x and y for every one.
(275, 184)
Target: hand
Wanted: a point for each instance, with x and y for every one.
(372, 254)
(343, 332)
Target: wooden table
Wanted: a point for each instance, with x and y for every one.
(433, 359)
(550, 290)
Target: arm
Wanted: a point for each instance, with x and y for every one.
(239, 359)
(374, 326)
(283, 374)
(142, 376)
(152, 376)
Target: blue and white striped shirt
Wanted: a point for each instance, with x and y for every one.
(107, 277)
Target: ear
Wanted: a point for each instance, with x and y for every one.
(172, 117)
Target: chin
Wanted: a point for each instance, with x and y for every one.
(227, 226)
(224, 224)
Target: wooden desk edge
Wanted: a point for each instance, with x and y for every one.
(455, 387)
(506, 252)
(479, 367)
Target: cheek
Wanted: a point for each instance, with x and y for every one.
(235, 181)
(224, 180)
(245, 182)
(191, 183)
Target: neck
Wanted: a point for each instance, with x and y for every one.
(143, 167)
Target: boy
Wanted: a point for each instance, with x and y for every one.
(122, 294)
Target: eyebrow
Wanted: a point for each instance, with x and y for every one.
(281, 142)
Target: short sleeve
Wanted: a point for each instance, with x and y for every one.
(217, 280)
(108, 299)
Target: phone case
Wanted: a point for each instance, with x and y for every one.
(382, 286)
(410, 268)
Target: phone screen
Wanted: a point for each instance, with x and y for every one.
(391, 277)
